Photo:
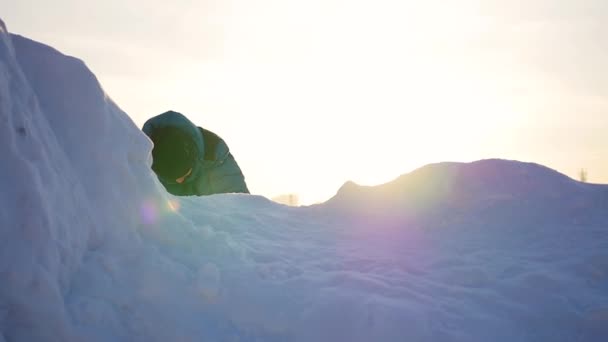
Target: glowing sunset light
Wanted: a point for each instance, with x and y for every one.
(173, 205)
(311, 94)
(152, 210)
(149, 212)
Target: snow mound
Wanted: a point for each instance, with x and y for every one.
(68, 155)
(490, 189)
(93, 249)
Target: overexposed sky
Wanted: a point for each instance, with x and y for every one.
(310, 94)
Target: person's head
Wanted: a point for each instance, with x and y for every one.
(174, 154)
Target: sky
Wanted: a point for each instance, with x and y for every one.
(311, 94)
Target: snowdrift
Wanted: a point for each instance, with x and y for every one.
(490, 191)
(93, 249)
(73, 177)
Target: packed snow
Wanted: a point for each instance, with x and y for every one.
(93, 249)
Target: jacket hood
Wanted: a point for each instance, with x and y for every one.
(179, 121)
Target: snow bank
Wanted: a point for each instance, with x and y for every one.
(74, 174)
(491, 190)
(93, 249)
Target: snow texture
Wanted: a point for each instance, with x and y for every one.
(93, 249)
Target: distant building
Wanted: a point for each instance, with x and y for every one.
(582, 176)
(287, 199)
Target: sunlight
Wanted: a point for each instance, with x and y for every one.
(367, 93)
(173, 205)
(382, 96)
(151, 210)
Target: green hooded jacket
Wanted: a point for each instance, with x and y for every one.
(215, 170)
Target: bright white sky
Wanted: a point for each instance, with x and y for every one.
(310, 94)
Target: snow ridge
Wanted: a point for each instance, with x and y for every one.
(52, 207)
(492, 187)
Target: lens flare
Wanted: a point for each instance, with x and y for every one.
(173, 205)
(152, 210)
(148, 212)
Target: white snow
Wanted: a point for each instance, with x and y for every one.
(93, 249)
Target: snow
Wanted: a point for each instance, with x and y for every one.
(93, 249)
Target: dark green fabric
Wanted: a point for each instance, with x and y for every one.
(174, 153)
(215, 170)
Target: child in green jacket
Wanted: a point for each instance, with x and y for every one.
(190, 160)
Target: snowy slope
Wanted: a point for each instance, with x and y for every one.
(92, 248)
(67, 155)
(493, 190)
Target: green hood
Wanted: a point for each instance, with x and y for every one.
(179, 121)
(215, 170)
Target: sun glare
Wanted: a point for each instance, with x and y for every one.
(173, 205)
(151, 210)
(370, 91)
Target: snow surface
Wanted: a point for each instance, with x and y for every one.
(93, 249)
